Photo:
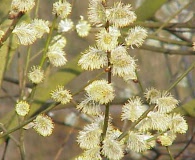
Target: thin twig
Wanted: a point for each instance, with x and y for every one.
(168, 51)
(190, 68)
(169, 152)
(5, 149)
(171, 17)
(185, 147)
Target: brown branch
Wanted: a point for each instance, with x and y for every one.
(149, 24)
(188, 52)
(169, 41)
(16, 18)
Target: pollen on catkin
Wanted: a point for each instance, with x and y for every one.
(96, 12)
(167, 138)
(154, 121)
(100, 91)
(121, 15)
(178, 124)
(138, 142)
(43, 124)
(166, 103)
(89, 137)
(83, 27)
(112, 148)
(22, 108)
(22, 6)
(25, 33)
(89, 107)
(41, 26)
(62, 9)
(105, 40)
(93, 58)
(133, 109)
(61, 95)
(56, 55)
(152, 95)
(36, 75)
(136, 36)
(65, 25)
(123, 64)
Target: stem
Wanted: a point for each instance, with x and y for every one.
(170, 155)
(106, 119)
(28, 121)
(139, 82)
(191, 67)
(135, 123)
(167, 51)
(25, 72)
(107, 107)
(37, 9)
(47, 42)
(63, 144)
(5, 149)
(21, 146)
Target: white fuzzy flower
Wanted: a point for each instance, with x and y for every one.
(106, 40)
(65, 25)
(96, 12)
(22, 108)
(112, 148)
(93, 58)
(167, 138)
(178, 124)
(83, 27)
(154, 121)
(43, 125)
(36, 75)
(89, 107)
(89, 137)
(152, 95)
(100, 91)
(136, 36)
(121, 15)
(41, 26)
(56, 55)
(22, 5)
(133, 109)
(25, 33)
(61, 95)
(166, 103)
(123, 64)
(62, 9)
(138, 142)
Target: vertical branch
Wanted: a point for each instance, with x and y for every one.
(21, 145)
(5, 149)
(25, 72)
(107, 106)
(169, 152)
(48, 41)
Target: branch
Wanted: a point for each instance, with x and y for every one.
(11, 28)
(167, 51)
